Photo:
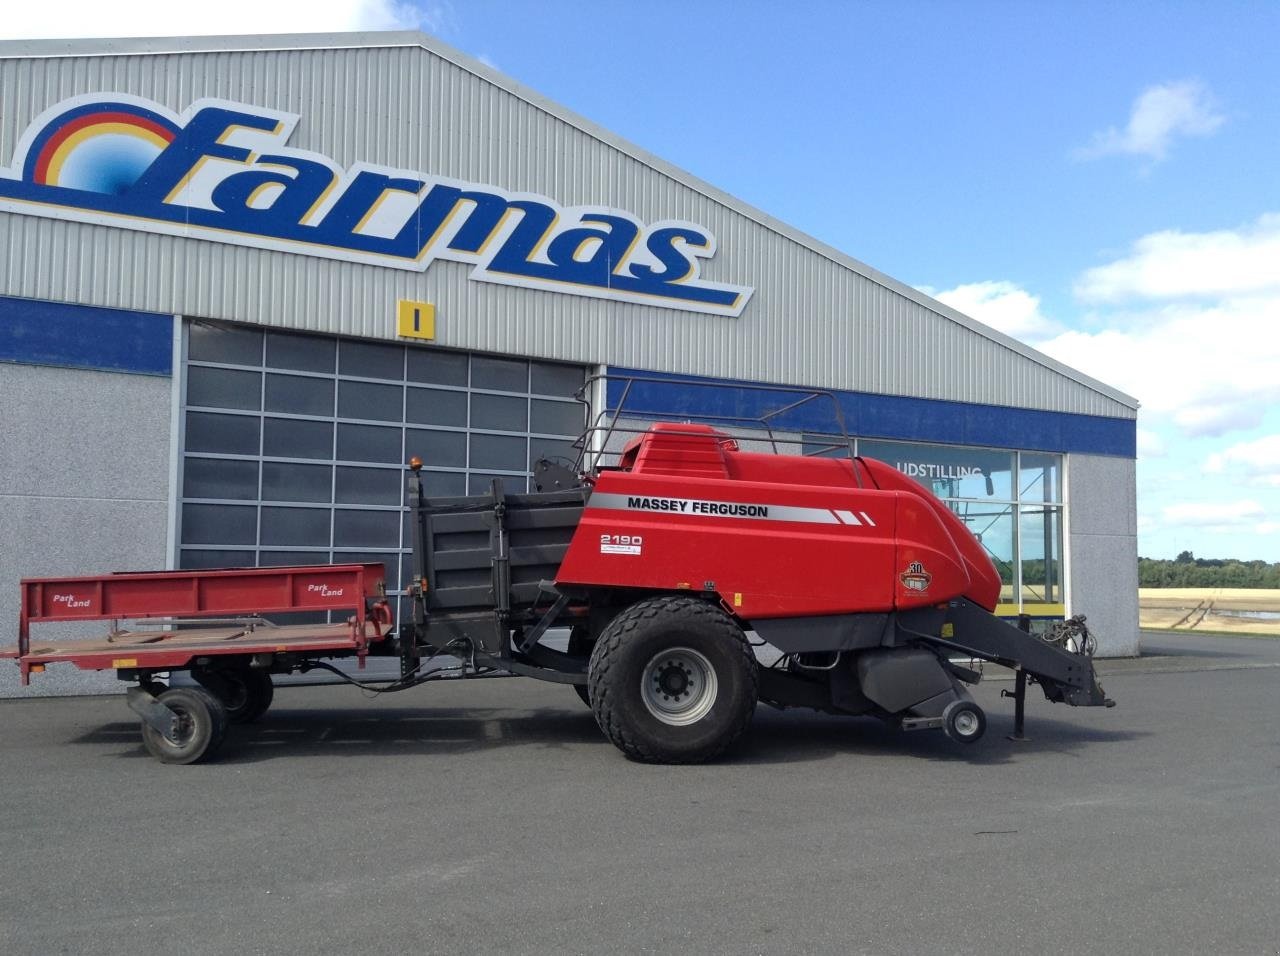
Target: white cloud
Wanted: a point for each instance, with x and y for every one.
(1159, 114)
(1221, 516)
(92, 18)
(1258, 461)
(1195, 338)
(1001, 305)
(1150, 444)
(1209, 369)
(1172, 264)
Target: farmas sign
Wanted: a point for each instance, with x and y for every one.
(222, 171)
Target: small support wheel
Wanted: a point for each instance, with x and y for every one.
(201, 726)
(963, 721)
(245, 693)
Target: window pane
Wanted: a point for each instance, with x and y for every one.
(298, 395)
(478, 484)
(201, 559)
(383, 403)
(564, 380)
(437, 368)
(304, 353)
(295, 526)
(504, 375)
(435, 406)
(949, 471)
(289, 438)
(993, 526)
(371, 360)
(366, 529)
(368, 443)
(1040, 477)
(436, 449)
(390, 563)
(222, 434)
(288, 482)
(557, 418)
(224, 388)
(219, 478)
(499, 452)
(499, 413)
(443, 484)
(280, 559)
(219, 524)
(1040, 551)
(228, 345)
(368, 486)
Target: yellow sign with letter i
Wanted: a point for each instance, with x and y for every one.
(416, 320)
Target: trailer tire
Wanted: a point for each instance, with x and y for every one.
(203, 726)
(245, 693)
(673, 680)
(963, 721)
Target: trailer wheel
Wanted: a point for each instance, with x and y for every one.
(963, 721)
(202, 724)
(245, 693)
(580, 646)
(672, 680)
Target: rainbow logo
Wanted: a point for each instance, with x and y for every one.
(99, 147)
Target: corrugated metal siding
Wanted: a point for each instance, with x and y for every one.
(811, 321)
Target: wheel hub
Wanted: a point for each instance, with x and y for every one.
(679, 686)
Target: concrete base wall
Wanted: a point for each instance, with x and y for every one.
(1102, 547)
(84, 489)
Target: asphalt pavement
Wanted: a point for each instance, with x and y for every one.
(493, 817)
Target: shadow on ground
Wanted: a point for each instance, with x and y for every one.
(774, 738)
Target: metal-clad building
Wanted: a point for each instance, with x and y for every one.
(243, 277)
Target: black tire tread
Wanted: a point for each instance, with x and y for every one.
(217, 726)
(615, 636)
(260, 691)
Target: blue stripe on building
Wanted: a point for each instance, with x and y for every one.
(33, 332)
(867, 415)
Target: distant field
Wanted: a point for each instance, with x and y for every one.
(1200, 609)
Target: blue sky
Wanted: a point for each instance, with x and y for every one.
(1099, 180)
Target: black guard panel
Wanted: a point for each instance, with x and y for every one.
(899, 678)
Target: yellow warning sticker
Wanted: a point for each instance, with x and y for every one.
(948, 630)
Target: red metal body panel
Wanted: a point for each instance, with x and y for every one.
(773, 535)
(239, 592)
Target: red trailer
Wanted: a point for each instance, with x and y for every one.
(211, 623)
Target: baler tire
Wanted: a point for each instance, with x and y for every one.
(579, 646)
(245, 693)
(683, 629)
(204, 725)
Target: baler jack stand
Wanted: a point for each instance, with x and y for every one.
(1019, 695)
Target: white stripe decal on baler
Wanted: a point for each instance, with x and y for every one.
(696, 507)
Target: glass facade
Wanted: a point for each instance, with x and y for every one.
(294, 446)
(1011, 500)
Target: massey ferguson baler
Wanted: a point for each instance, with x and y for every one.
(863, 585)
(694, 578)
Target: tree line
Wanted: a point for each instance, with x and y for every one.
(1188, 571)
